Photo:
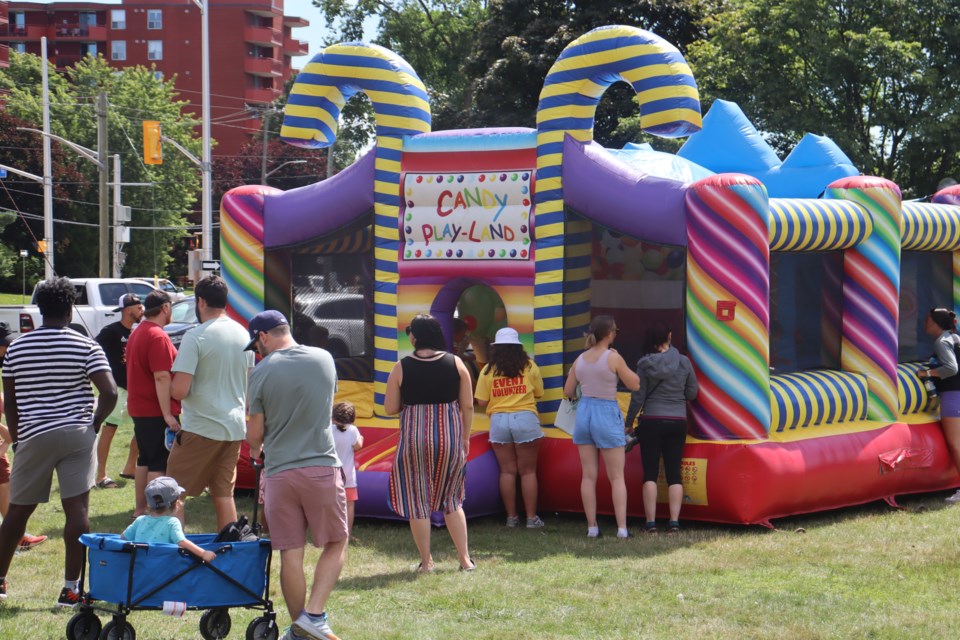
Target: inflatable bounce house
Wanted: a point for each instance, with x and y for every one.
(798, 288)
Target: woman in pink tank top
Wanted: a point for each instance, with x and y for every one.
(599, 422)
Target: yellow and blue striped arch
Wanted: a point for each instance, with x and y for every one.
(669, 107)
(401, 108)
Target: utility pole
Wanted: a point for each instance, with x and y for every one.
(263, 163)
(104, 268)
(48, 270)
(206, 211)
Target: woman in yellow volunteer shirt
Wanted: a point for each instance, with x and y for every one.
(508, 386)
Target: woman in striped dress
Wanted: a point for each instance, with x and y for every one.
(431, 390)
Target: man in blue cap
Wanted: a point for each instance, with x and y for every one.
(289, 407)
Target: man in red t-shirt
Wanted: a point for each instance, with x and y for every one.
(150, 356)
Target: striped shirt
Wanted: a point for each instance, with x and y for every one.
(51, 368)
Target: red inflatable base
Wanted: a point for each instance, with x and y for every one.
(754, 483)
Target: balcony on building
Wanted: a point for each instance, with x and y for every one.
(263, 36)
(294, 21)
(260, 96)
(25, 32)
(265, 67)
(79, 32)
(294, 47)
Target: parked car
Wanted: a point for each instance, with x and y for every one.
(96, 300)
(342, 314)
(183, 318)
(176, 293)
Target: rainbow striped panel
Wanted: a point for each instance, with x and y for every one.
(728, 306)
(871, 300)
(401, 108)
(816, 225)
(669, 107)
(812, 398)
(910, 392)
(930, 227)
(241, 250)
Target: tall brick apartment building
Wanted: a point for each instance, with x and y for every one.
(4, 52)
(251, 49)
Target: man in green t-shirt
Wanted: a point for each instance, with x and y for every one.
(290, 406)
(210, 380)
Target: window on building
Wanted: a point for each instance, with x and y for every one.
(154, 18)
(154, 49)
(118, 20)
(18, 18)
(88, 19)
(19, 47)
(158, 76)
(88, 49)
(118, 50)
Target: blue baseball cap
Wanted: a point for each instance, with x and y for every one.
(264, 321)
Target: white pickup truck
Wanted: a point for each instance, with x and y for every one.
(96, 300)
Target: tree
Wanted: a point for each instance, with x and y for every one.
(246, 167)
(21, 199)
(873, 75)
(522, 39)
(435, 37)
(134, 94)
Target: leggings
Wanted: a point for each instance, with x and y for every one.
(658, 437)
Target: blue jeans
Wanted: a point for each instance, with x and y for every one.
(600, 423)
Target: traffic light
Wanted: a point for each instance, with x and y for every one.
(152, 148)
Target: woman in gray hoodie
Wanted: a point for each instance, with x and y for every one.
(666, 383)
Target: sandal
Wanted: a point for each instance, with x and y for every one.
(650, 528)
(471, 567)
(422, 569)
(107, 483)
(126, 476)
(673, 527)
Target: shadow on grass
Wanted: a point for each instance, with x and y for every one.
(564, 534)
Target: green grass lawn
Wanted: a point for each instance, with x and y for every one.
(866, 572)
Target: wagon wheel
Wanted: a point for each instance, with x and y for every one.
(215, 624)
(84, 626)
(118, 629)
(262, 628)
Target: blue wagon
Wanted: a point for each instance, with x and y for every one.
(142, 577)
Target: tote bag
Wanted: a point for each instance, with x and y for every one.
(567, 414)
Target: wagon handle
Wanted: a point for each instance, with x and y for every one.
(257, 465)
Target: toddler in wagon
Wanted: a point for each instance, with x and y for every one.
(159, 524)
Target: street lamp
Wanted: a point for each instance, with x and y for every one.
(23, 271)
(263, 179)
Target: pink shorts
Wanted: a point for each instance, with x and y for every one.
(307, 497)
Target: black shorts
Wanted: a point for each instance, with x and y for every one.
(150, 434)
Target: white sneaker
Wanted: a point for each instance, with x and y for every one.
(954, 499)
(534, 523)
(513, 521)
(304, 627)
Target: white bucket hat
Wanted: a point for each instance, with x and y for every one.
(507, 336)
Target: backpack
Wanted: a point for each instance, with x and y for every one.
(239, 531)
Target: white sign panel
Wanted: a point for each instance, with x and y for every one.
(467, 216)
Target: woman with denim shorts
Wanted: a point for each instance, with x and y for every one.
(509, 387)
(941, 324)
(599, 422)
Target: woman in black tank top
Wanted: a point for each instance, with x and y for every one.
(431, 390)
